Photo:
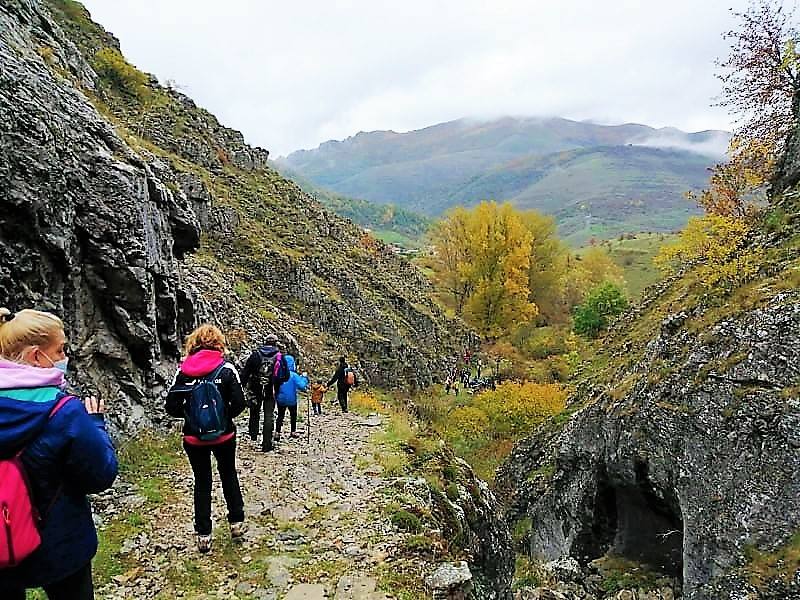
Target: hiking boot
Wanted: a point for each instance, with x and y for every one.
(269, 448)
(238, 529)
(204, 543)
(276, 437)
(294, 434)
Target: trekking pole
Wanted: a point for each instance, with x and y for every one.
(308, 419)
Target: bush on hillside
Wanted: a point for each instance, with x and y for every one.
(601, 304)
(118, 74)
(510, 411)
(716, 247)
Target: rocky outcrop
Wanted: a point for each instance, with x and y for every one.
(86, 227)
(688, 464)
(467, 518)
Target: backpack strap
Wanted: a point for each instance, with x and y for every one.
(59, 405)
(213, 375)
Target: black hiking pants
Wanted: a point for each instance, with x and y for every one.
(292, 417)
(341, 395)
(200, 459)
(77, 586)
(255, 417)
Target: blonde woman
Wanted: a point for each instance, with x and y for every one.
(208, 395)
(66, 453)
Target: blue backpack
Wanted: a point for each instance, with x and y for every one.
(205, 409)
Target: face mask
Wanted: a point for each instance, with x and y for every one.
(61, 365)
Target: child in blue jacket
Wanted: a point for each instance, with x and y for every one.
(287, 397)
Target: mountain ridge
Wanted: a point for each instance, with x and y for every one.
(628, 124)
(435, 168)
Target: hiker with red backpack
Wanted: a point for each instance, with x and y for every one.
(345, 378)
(207, 394)
(263, 373)
(54, 450)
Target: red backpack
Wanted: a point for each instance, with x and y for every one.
(19, 519)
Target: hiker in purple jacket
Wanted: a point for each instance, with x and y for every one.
(65, 456)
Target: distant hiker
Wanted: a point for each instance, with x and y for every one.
(54, 450)
(287, 397)
(318, 390)
(207, 394)
(263, 373)
(345, 378)
(479, 368)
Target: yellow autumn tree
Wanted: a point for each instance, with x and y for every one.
(715, 246)
(585, 272)
(547, 266)
(483, 259)
(738, 186)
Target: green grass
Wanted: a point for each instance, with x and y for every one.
(398, 239)
(634, 255)
(783, 563)
(620, 574)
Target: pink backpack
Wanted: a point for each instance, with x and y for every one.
(19, 519)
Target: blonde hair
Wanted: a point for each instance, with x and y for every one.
(205, 337)
(27, 328)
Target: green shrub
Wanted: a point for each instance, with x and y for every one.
(452, 492)
(119, 75)
(603, 302)
(775, 220)
(420, 544)
(242, 289)
(406, 521)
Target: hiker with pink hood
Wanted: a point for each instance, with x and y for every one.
(54, 450)
(208, 396)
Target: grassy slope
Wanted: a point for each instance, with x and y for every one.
(635, 258)
(388, 222)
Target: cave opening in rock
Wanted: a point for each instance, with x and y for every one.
(635, 522)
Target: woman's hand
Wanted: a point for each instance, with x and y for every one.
(93, 405)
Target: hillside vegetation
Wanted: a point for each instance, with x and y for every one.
(387, 222)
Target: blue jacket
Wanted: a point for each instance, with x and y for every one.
(287, 393)
(66, 457)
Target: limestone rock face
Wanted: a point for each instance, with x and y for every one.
(690, 466)
(470, 519)
(86, 227)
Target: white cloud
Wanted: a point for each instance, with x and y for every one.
(291, 75)
(714, 144)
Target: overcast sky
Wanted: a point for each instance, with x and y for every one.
(293, 74)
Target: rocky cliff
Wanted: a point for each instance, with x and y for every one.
(135, 215)
(679, 454)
